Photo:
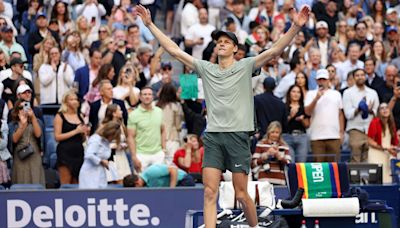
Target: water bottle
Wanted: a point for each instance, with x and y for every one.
(303, 224)
(316, 223)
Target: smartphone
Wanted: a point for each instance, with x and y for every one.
(398, 84)
(93, 20)
(27, 106)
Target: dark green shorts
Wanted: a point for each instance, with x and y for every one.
(227, 151)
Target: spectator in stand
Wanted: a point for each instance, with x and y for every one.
(352, 63)
(7, 73)
(55, 77)
(189, 157)
(144, 54)
(126, 89)
(104, 32)
(269, 108)
(17, 69)
(394, 102)
(386, 91)
(199, 34)
(118, 162)
(172, 119)
(86, 31)
(25, 93)
(3, 60)
(360, 104)
(35, 7)
(37, 35)
(296, 65)
(70, 132)
(5, 155)
(148, 130)
(383, 141)
(324, 105)
(93, 171)
(301, 81)
(322, 42)
(238, 14)
(92, 10)
(25, 133)
(85, 76)
(190, 15)
(72, 54)
(166, 78)
(231, 26)
(361, 39)
(271, 156)
(341, 36)
(263, 41)
(106, 72)
(334, 81)
(8, 43)
(313, 65)
(159, 175)
(373, 81)
(391, 44)
(378, 53)
(98, 108)
(296, 136)
(61, 14)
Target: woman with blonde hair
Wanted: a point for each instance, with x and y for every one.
(98, 151)
(104, 33)
(118, 159)
(72, 53)
(86, 31)
(271, 156)
(126, 89)
(70, 132)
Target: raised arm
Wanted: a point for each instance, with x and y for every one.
(170, 46)
(299, 19)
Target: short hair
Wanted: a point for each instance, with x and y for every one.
(360, 22)
(370, 59)
(103, 82)
(294, 62)
(129, 181)
(145, 87)
(358, 69)
(132, 26)
(92, 51)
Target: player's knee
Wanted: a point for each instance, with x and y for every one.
(210, 194)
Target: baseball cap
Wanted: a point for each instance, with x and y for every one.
(6, 28)
(322, 74)
(269, 83)
(41, 15)
(322, 24)
(391, 29)
(231, 36)
(23, 88)
(391, 10)
(166, 64)
(16, 61)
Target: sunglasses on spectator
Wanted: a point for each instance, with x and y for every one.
(167, 68)
(102, 31)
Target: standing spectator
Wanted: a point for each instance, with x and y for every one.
(322, 42)
(29, 16)
(85, 75)
(93, 173)
(92, 10)
(172, 119)
(394, 102)
(360, 104)
(61, 14)
(98, 108)
(189, 158)
(106, 72)
(86, 31)
(55, 77)
(351, 63)
(126, 89)
(190, 15)
(148, 130)
(238, 14)
(324, 105)
(6, 9)
(72, 54)
(313, 65)
(25, 132)
(199, 34)
(334, 81)
(378, 11)
(5, 155)
(392, 42)
(37, 35)
(382, 140)
(269, 108)
(271, 156)
(8, 43)
(166, 78)
(301, 81)
(70, 133)
(378, 53)
(331, 16)
(361, 39)
(118, 159)
(298, 122)
(104, 32)
(296, 65)
(121, 54)
(373, 81)
(386, 91)
(143, 54)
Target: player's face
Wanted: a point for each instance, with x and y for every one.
(226, 46)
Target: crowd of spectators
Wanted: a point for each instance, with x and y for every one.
(78, 67)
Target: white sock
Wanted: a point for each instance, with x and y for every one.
(254, 226)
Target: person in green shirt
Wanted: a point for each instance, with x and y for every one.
(230, 109)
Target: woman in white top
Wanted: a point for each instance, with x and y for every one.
(126, 89)
(72, 53)
(55, 77)
(86, 30)
(93, 11)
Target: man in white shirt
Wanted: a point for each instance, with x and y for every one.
(360, 104)
(352, 63)
(190, 15)
(324, 105)
(296, 65)
(199, 35)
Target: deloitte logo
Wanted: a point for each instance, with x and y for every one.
(20, 214)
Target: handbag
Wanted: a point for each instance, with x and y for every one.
(261, 192)
(24, 153)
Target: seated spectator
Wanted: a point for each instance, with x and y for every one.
(25, 133)
(98, 108)
(93, 171)
(118, 161)
(126, 89)
(271, 156)
(190, 157)
(159, 175)
(55, 77)
(383, 141)
(70, 132)
(5, 155)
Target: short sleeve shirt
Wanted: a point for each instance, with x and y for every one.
(228, 94)
(157, 175)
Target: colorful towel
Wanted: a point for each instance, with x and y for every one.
(319, 180)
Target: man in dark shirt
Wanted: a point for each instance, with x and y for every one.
(373, 81)
(269, 108)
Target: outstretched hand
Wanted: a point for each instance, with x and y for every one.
(301, 18)
(144, 14)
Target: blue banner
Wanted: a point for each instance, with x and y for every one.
(99, 208)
